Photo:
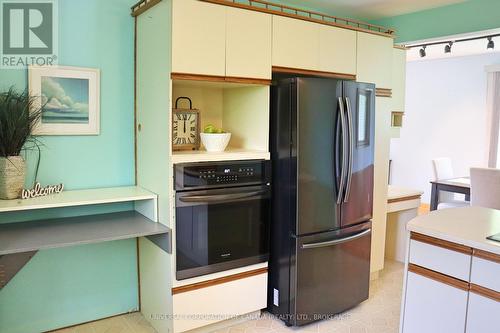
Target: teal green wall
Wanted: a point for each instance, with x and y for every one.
(469, 16)
(61, 287)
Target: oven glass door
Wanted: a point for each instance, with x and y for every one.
(221, 229)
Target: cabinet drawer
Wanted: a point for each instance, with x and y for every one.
(485, 270)
(440, 256)
(196, 308)
(432, 306)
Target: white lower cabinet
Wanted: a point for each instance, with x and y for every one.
(485, 273)
(433, 307)
(205, 306)
(479, 314)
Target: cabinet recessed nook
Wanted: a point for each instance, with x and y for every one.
(239, 109)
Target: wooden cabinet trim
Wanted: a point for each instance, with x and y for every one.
(299, 71)
(221, 280)
(410, 197)
(486, 255)
(215, 78)
(383, 92)
(438, 277)
(305, 15)
(482, 291)
(441, 243)
(141, 6)
(401, 47)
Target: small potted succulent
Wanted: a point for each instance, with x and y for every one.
(214, 139)
(18, 117)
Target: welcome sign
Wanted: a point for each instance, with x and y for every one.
(39, 191)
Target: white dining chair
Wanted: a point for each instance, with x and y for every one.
(485, 187)
(443, 170)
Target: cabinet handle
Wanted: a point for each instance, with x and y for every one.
(486, 255)
(441, 243)
(438, 277)
(485, 292)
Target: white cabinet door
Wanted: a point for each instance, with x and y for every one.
(398, 79)
(337, 50)
(248, 44)
(433, 307)
(374, 60)
(198, 38)
(482, 314)
(295, 43)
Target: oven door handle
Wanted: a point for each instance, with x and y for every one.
(221, 197)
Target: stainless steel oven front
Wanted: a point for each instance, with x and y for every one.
(222, 216)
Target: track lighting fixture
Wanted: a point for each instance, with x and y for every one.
(448, 45)
(491, 44)
(422, 51)
(447, 48)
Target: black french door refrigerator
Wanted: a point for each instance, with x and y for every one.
(322, 150)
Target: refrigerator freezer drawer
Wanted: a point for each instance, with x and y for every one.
(331, 274)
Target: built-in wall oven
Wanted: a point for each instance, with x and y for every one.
(222, 216)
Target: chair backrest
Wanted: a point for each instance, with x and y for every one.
(485, 187)
(443, 170)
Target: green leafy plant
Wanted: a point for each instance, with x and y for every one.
(211, 129)
(18, 116)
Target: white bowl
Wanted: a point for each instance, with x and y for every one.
(215, 142)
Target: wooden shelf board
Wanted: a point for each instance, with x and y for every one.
(79, 198)
(61, 232)
(228, 155)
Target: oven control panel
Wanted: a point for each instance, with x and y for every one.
(216, 174)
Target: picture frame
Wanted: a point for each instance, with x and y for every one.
(71, 96)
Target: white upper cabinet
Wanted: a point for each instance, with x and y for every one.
(198, 38)
(295, 43)
(337, 50)
(312, 46)
(248, 44)
(374, 59)
(398, 79)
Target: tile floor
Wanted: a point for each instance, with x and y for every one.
(379, 314)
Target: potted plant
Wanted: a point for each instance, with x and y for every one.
(18, 116)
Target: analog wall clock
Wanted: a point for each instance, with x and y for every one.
(185, 127)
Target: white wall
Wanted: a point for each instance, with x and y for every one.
(445, 117)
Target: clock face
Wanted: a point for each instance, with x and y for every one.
(185, 129)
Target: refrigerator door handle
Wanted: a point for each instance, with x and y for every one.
(350, 149)
(344, 151)
(336, 241)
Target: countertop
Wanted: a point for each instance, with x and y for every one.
(397, 192)
(468, 226)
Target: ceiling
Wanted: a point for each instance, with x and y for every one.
(368, 9)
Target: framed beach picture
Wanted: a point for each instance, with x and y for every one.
(70, 99)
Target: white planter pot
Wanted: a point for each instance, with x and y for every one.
(12, 175)
(215, 142)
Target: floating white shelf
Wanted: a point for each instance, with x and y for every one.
(79, 198)
(227, 155)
